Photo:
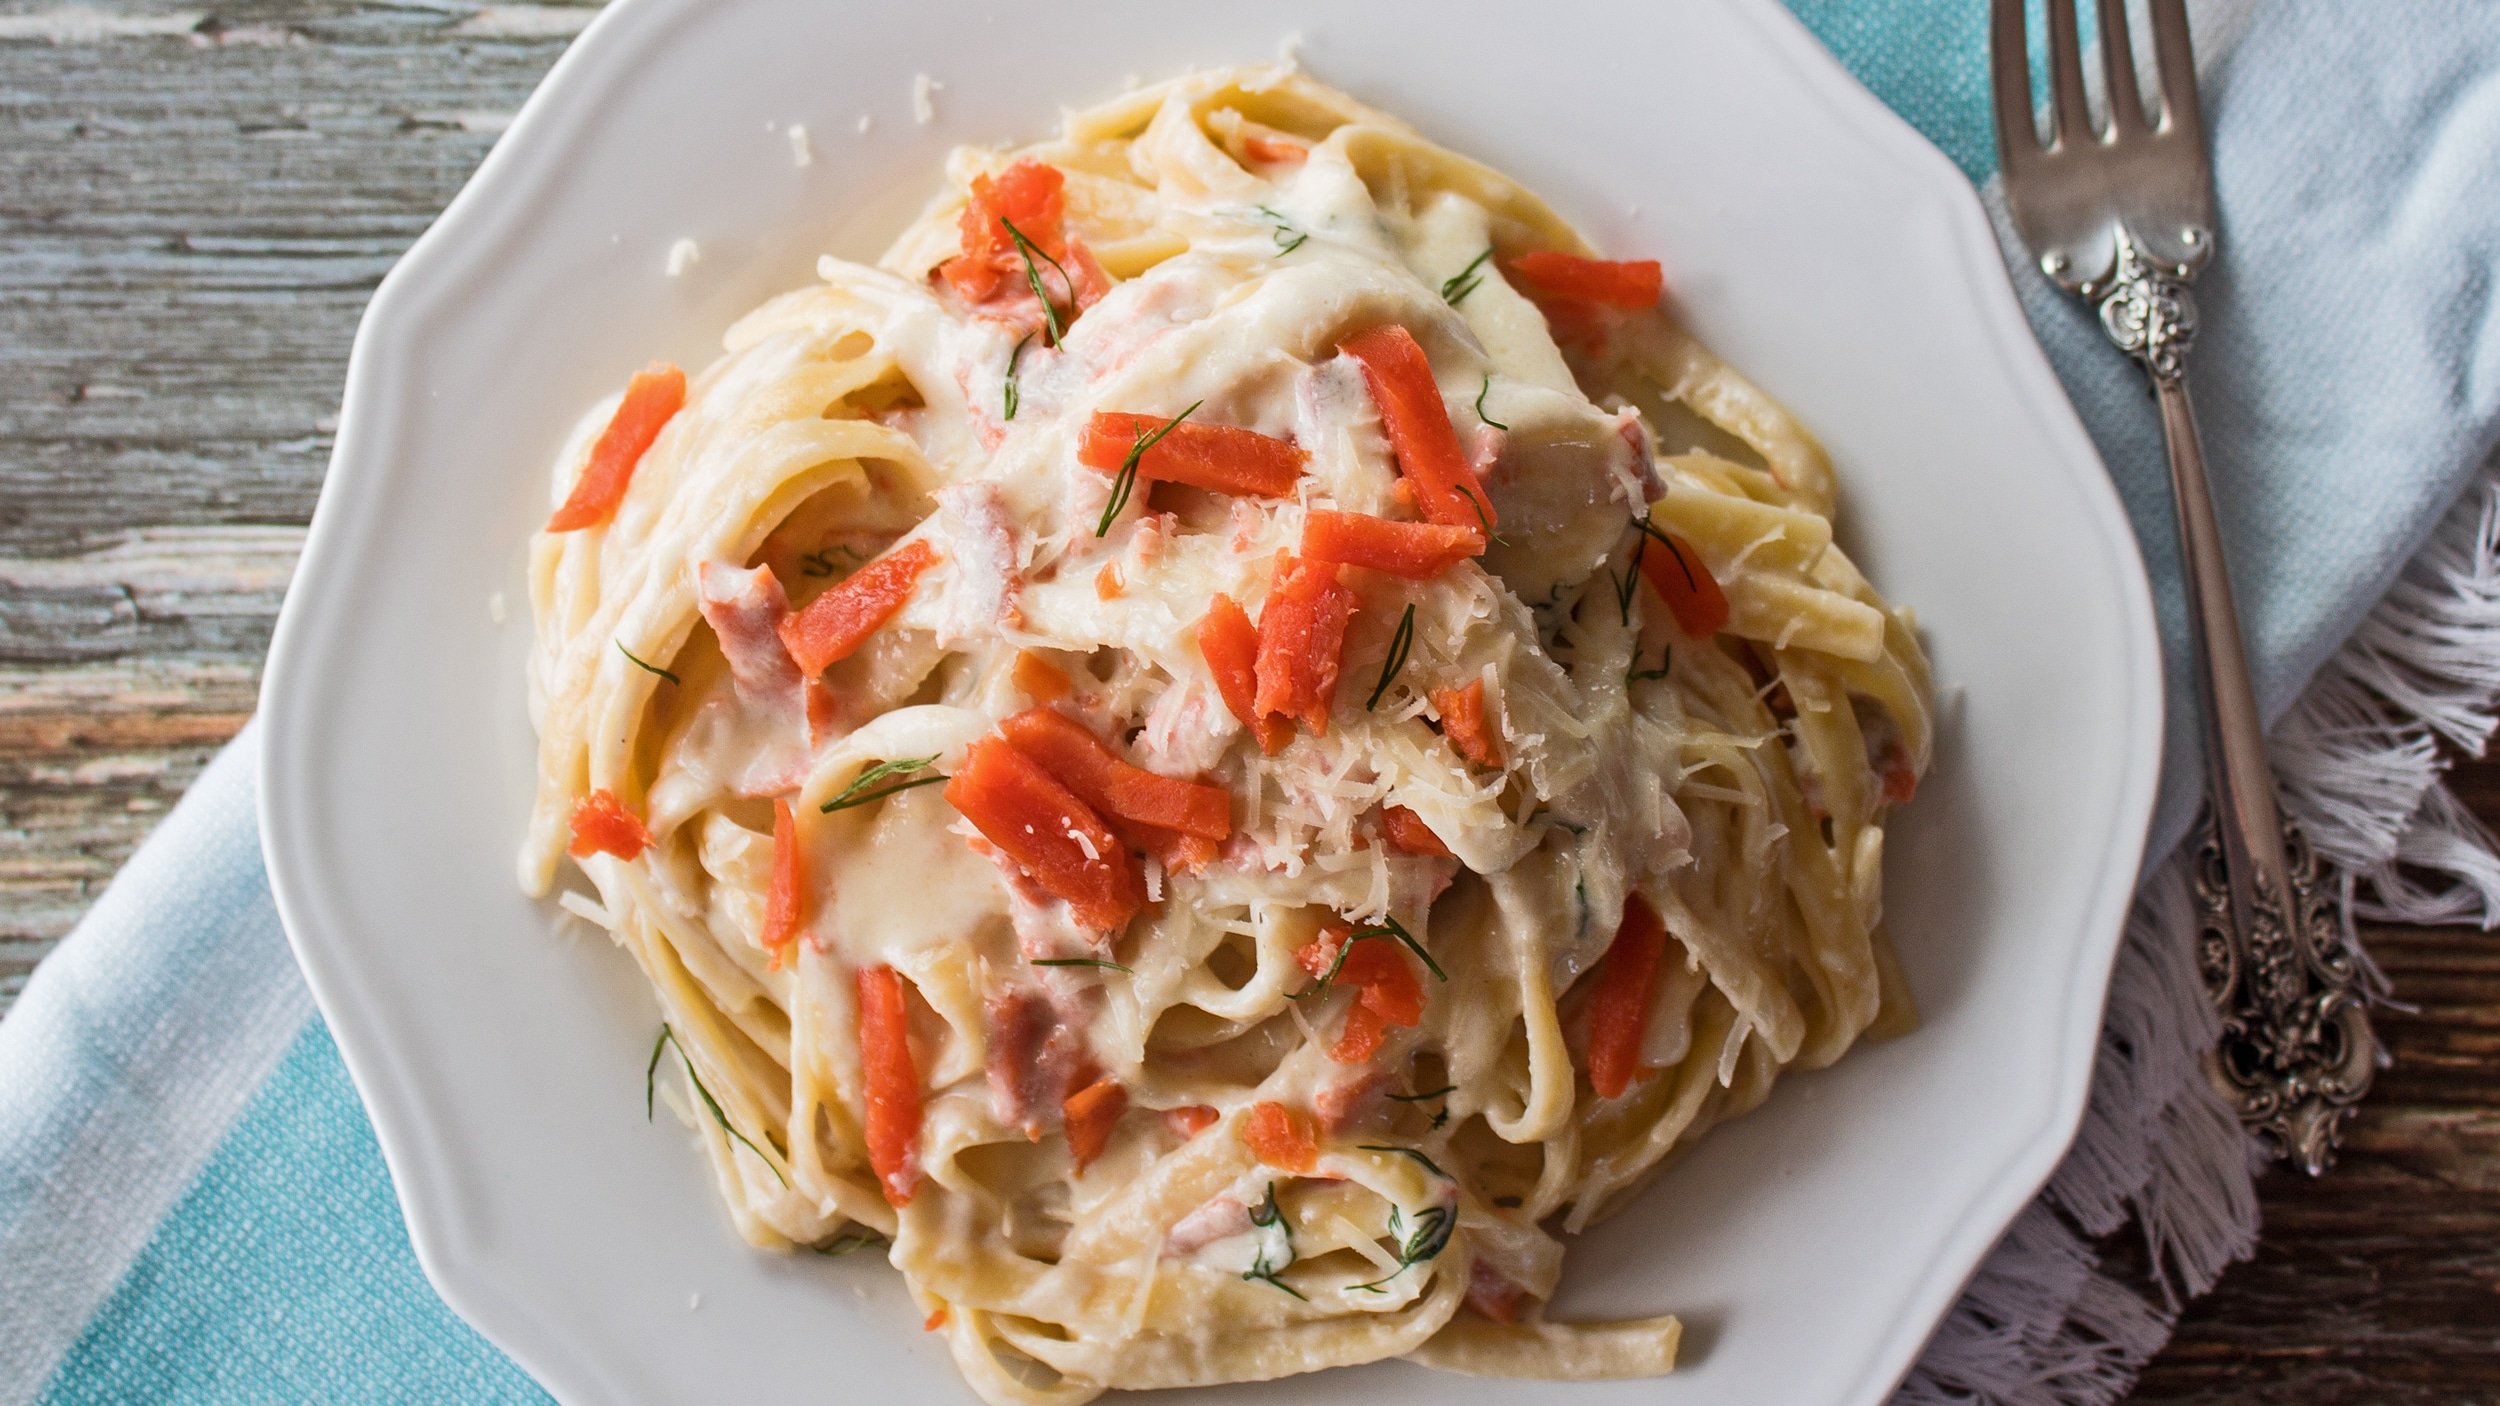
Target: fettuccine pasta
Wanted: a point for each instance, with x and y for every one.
(1230, 743)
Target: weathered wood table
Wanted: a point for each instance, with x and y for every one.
(195, 205)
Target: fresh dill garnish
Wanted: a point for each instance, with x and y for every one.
(1401, 644)
(1429, 1165)
(650, 1076)
(1260, 1272)
(1650, 530)
(1430, 1237)
(1628, 584)
(820, 563)
(646, 667)
(1010, 394)
(1457, 286)
(1666, 660)
(1264, 1268)
(859, 794)
(1284, 227)
(1441, 1115)
(1053, 330)
(1334, 967)
(1124, 482)
(1387, 927)
(651, 1071)
(1484, 520)
(1391, 927)
(1077, 962)
(848, 1241)
(1481, 392)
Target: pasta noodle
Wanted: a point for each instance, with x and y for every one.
(1228, 744)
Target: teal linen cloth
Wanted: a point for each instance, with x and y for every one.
(193, 1208)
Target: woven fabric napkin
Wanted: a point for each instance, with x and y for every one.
(193, 1208)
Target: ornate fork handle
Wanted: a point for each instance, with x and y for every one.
(2297, 1051)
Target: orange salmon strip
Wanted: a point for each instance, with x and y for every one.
(1619, 1016)
(1048, 831)
(1217, 457)
(1418, 423)
(1418, 551)
(652, 399)
(890, 1086)
(602, 825)
(841, 620)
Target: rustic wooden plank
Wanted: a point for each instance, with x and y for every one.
(194, 207)
(70, 827)
(160, 591)
(90, 757)
(121, 671)
(2380, 1284)
(193, 210)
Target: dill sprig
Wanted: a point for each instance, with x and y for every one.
(646, 667)
(1430, 1237)
(1441, 1115)
(820, 563)
(1284, 227)
(1628, 584)
(1124, 482)
(1010, 394)
(859, 794)
(1442, 1092)
(1266, 1214)
(1457, 286)
(1387, 927)
(1391, 927)
(651, 1074)
(1484, 520)
(1481, 392)
(1053, 330)
(1429, 1165)
(1401, 644)
(1650, 530)
(1666, 660)
(1078, 962)
(848, 1241)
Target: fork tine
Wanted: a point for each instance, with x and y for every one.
(2121, 95)
(2009, 82)
(2176, 58)
(2072, 125)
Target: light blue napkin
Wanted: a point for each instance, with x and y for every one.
(193, 1209)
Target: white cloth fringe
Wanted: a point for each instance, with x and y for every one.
(2043, 1323)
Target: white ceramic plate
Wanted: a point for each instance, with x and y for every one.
(1810, 237)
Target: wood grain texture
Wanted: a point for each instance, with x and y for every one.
(195, 204)
(2381, 1282)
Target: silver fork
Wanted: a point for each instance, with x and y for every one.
(2122, 216)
